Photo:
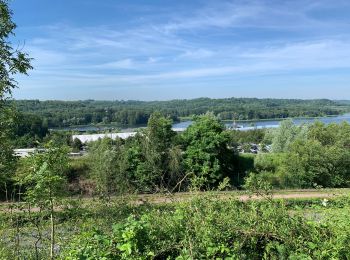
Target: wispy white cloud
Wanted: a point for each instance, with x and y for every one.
(46, 57)
(197, 54)
(120, 64)
(249, 14)
(154, 59)
(223, 14)
(306, 55)
(219, 39)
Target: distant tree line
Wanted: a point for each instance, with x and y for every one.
(72, 113)
(28, 130)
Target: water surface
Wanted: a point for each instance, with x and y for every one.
(243, 125)
(260, 124)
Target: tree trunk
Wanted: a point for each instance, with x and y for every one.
(6, 192)
(52, 252)
(17, 238)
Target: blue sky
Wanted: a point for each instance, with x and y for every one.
(162, 49)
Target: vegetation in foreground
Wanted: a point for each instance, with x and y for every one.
(204, 227)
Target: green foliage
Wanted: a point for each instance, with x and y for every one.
(149, 162)
(313, 156)
(125, 242)
(59, 138)
(43, 176)
(314, 164)
(208, 228)
(131, 164)
(78, 167)
(269, 162)
(12, 62)
(162, 158)
(286, 134)
(324, 159)
(258, 185)
(103, 158)
(207, 156)
(28, 131)
(77, 176)
(7, 160)
(157, 159)
(237, 137)
(270, 168)
(77, 145)
(244, 164)
(70, 113)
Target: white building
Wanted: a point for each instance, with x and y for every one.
(26, 152)
(94, 137)
(86, 138)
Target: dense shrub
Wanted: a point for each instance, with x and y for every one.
(207, 228)
(207, 156)
(317, 155)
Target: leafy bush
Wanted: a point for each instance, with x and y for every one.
(206, 155)
(208, 228)
(312, 156)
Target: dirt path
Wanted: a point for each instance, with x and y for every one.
(242, 197)
(179, 197)
(291, 196)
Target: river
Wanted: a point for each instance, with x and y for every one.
(243, 125)
(260, 124)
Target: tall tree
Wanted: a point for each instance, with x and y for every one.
(207, 156)
(157, 144)
(12, 62)
(104, 157)
(155, 158)
(286, 134)
(151, 160)
(7, 160)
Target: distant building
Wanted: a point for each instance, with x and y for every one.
(179, 129)
(77, 154)
(27, 152)
(94, 137)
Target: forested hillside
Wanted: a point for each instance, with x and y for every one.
(343, 102)
(70, 113)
